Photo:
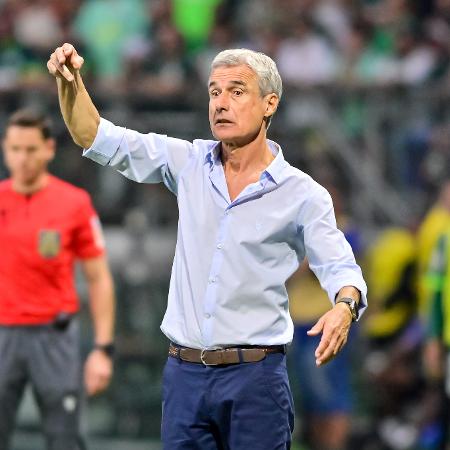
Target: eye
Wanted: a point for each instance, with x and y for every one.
(214, 93)
(237, 92)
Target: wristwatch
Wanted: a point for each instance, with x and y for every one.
(107, 349)
(352, 305)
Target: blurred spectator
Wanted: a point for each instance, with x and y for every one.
(416, 60)
(392, 366)
(334, 18)
(36, 27)
(435, 222)
(105, 27)
(194, 19)
(160, 76)
(392, 284)
(12, 55)
(362, 63)
(305, 58)
(437, 349)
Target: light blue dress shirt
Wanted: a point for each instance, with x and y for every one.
(232, 258)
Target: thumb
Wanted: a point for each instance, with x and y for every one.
(316, 329)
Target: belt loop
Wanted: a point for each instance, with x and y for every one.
(240, 355)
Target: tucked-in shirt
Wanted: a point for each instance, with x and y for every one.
(41, 236)
(232, 258)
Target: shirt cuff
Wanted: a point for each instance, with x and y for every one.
(106, 142)
(358, 284)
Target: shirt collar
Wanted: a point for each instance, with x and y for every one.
(213, 153)
(274, 169)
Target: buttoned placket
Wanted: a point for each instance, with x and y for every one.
(217, 178)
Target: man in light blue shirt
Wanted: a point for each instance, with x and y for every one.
(246, 220)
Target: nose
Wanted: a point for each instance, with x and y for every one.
(221, 103)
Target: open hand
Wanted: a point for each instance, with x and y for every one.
(64, 61)
(334, 326)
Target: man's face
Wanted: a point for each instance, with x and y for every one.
(27, 153)
(236, 107)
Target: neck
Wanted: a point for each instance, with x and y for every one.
(254, 155)
(33, 186)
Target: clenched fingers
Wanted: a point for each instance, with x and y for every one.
(62, 60)
(72, 58)
(58, 68)
(59, 71)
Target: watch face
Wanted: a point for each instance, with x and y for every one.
(352, 306)
(353, 310)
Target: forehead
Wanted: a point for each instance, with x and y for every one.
(232, 74)
(23, 133)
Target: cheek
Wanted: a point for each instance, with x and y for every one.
(11, 160)
(210, 111)
(252, 116)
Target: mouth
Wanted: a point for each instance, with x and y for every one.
(222, 122)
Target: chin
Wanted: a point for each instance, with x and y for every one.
(225, 133)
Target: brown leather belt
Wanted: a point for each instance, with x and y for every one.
(234, 355)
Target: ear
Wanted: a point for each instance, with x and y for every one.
(272, 102)
(51, 148)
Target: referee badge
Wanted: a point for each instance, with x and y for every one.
(49, 243)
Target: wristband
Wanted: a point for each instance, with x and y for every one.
(107, 349)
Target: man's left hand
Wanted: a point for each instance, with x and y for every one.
(97, 372)
(334, 326)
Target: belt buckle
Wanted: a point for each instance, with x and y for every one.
(202, 359)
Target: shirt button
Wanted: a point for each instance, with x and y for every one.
(207, 316)
(219, 246)
(212, 280)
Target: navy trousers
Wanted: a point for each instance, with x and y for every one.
(245, 406)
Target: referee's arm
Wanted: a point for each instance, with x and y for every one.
(99, 365)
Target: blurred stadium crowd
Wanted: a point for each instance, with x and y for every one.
(365, 111)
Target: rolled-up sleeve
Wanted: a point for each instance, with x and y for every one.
(145, 158)
(329, 254)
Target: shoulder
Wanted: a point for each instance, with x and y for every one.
(5, 185)
(199, 149)
(305, 185)
(69, 192)
(312, 199)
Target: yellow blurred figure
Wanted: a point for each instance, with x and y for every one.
(435, 223)
(390, 275)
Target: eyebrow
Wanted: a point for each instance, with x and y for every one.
(233, 82)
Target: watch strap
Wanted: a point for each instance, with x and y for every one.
(108, 349)
(352, 305)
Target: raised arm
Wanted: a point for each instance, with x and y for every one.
(80, 115)
(146, 158)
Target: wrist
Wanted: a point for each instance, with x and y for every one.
(351, 305)
(108, 349)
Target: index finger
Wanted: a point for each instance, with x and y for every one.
(67, 49)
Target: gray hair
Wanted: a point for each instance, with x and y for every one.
(264, 67)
